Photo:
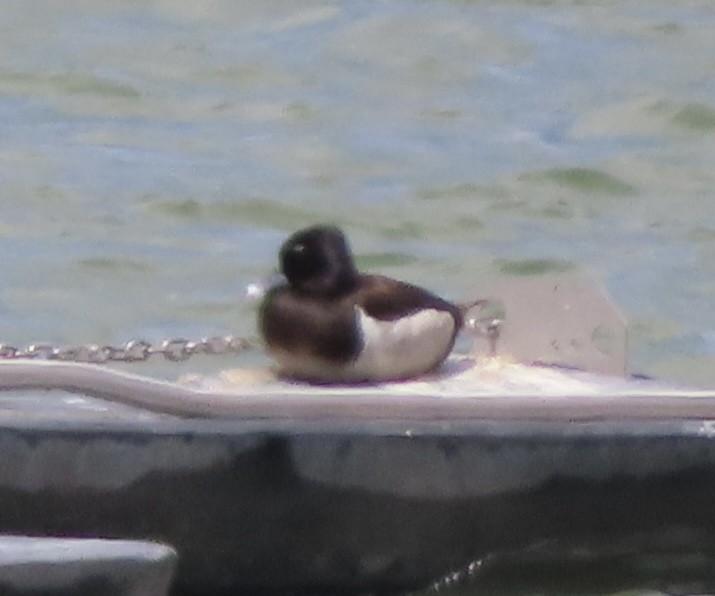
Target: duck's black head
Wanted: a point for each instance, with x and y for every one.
(317, 261)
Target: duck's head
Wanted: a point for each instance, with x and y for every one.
(317, 261)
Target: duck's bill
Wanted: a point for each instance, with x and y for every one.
(564, 320)
(256, 290)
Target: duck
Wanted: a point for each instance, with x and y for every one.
(328, 323)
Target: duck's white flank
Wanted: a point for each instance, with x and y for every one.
(402, 348)
(392, 350)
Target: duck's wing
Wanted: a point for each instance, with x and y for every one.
(387, 299)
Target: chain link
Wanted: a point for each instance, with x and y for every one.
(487, 327)
(175, 350)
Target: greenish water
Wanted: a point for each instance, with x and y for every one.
(155, 154)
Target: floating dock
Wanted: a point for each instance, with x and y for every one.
(259, 484)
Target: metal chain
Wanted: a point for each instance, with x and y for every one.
(487, 327)
(179, 349)
(175, 350)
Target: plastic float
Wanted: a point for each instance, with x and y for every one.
(263, 485)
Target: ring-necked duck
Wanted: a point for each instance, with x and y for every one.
(331, 324)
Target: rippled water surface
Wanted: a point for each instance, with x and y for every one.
(155, 154)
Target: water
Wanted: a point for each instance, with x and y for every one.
(155, 154)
